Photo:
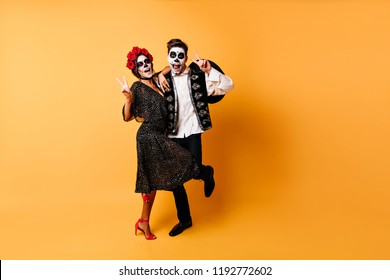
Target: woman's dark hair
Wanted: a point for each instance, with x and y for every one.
(177, 43)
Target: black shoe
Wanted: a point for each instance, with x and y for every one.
(179, 228)
(209, 182)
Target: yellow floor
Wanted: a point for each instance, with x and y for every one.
(98, 223)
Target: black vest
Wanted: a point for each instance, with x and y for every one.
(199, 98)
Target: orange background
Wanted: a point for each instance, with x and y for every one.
(300, 146)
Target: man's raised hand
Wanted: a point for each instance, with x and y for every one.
(203, 64)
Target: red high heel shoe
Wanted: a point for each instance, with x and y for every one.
(151, 235)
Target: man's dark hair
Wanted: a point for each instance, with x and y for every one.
(177, 43)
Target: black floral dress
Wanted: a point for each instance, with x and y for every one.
(162, 164)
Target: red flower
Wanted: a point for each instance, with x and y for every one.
(144, 51)
(131, 56)
(136, 50)
(130, 65)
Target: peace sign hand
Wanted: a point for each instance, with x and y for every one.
(203, 64)
(125, 88)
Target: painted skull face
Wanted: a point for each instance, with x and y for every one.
(144, 65)
(176, 59)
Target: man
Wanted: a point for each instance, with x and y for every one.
(188, 91)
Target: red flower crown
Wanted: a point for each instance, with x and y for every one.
(132, 56)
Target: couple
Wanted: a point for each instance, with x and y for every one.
(173, 109)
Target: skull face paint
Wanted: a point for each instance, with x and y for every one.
(144, 65)
(176, 59)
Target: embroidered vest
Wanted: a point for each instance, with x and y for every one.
(199, 98)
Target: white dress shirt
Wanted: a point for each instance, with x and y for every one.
(187, 123)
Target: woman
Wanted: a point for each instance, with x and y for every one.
(161, 163)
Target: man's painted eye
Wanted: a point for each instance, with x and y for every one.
(172, 54)
(181, 55)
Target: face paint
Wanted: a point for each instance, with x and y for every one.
(176, 59)
(145, 69)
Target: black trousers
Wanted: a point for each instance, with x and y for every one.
(193, 144)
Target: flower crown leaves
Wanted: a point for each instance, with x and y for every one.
(134, 53)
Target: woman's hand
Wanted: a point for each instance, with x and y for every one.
(125, 88)
(162, 80)
(127, 116)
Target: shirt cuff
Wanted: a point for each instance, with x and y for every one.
(214, 75)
